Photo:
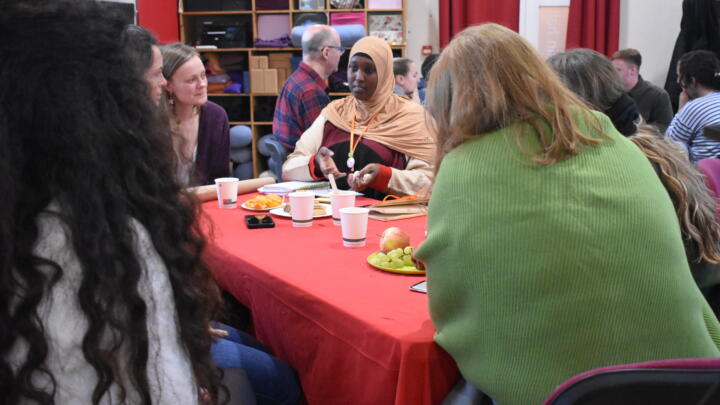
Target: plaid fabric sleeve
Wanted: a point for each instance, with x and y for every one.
(313, 101)
(284, 125)
(297, 107)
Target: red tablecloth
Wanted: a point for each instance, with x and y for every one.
(355, 335)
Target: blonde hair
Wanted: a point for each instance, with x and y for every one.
(694, 204)
(489, 77)
(174, 56)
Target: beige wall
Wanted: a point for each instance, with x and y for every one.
(651, 27)
(422, 27)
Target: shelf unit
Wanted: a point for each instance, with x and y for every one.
(256, 109)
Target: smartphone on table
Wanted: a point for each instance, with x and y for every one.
(259, 221)
(420, 287)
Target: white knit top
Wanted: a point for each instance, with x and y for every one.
(170, 376)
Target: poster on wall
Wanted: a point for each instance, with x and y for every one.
(544, 24)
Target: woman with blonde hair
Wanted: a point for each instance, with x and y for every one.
(547, 230)
(694, 204)
(200, 127)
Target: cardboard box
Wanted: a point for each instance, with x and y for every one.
(279, 64)
(256, 81)
(270, 84)
(258, 62)
(282, 76)
(280, 61)
(280, 56)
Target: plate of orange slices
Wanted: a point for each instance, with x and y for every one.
(264, 202)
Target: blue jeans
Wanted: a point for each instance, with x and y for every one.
(273, 380)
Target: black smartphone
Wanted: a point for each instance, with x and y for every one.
(420, 287)
(259, 221)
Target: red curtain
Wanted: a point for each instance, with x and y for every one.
(161, 18)
(455, 15)
(594, 24)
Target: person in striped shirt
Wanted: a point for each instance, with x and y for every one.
(699, 104)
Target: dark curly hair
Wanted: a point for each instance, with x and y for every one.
(138, 44)
(701, 66)
(78, 130)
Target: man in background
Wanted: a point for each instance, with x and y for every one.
(304, 94)
(698, 74)
(652, 101)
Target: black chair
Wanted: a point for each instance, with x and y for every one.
(663, 382)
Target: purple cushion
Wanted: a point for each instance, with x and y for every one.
(234, 88)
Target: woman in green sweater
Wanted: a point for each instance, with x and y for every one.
(552, 246)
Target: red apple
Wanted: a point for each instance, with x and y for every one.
(393, 238)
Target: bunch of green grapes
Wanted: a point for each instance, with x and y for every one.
(395, 259)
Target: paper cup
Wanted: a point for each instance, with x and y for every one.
(301, 208)
(341, 199)
(354, 225)
(227, 191)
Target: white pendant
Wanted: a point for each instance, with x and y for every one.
(350, 163)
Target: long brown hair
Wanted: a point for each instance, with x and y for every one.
(693, 202)
(489, 77)
(590, 75)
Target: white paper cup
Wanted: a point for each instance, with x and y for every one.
(227, 191)
(354, 225)
(341, 199)
(301, 208)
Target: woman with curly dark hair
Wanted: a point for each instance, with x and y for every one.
(103, 295)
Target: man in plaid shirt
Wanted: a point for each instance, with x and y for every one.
(304, 95)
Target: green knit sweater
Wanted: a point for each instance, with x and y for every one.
(537, 273)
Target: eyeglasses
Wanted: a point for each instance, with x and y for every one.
(339, 48)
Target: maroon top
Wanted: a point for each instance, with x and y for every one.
(213, 148)
(367, 151)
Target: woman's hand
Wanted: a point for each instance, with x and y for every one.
(324, 161)
(361, 180)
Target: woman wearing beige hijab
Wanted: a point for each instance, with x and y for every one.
(373, 141)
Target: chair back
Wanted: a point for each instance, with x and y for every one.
(662, 382)
(711, 169)
(276, 153)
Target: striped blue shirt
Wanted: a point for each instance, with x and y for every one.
(687, 126)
